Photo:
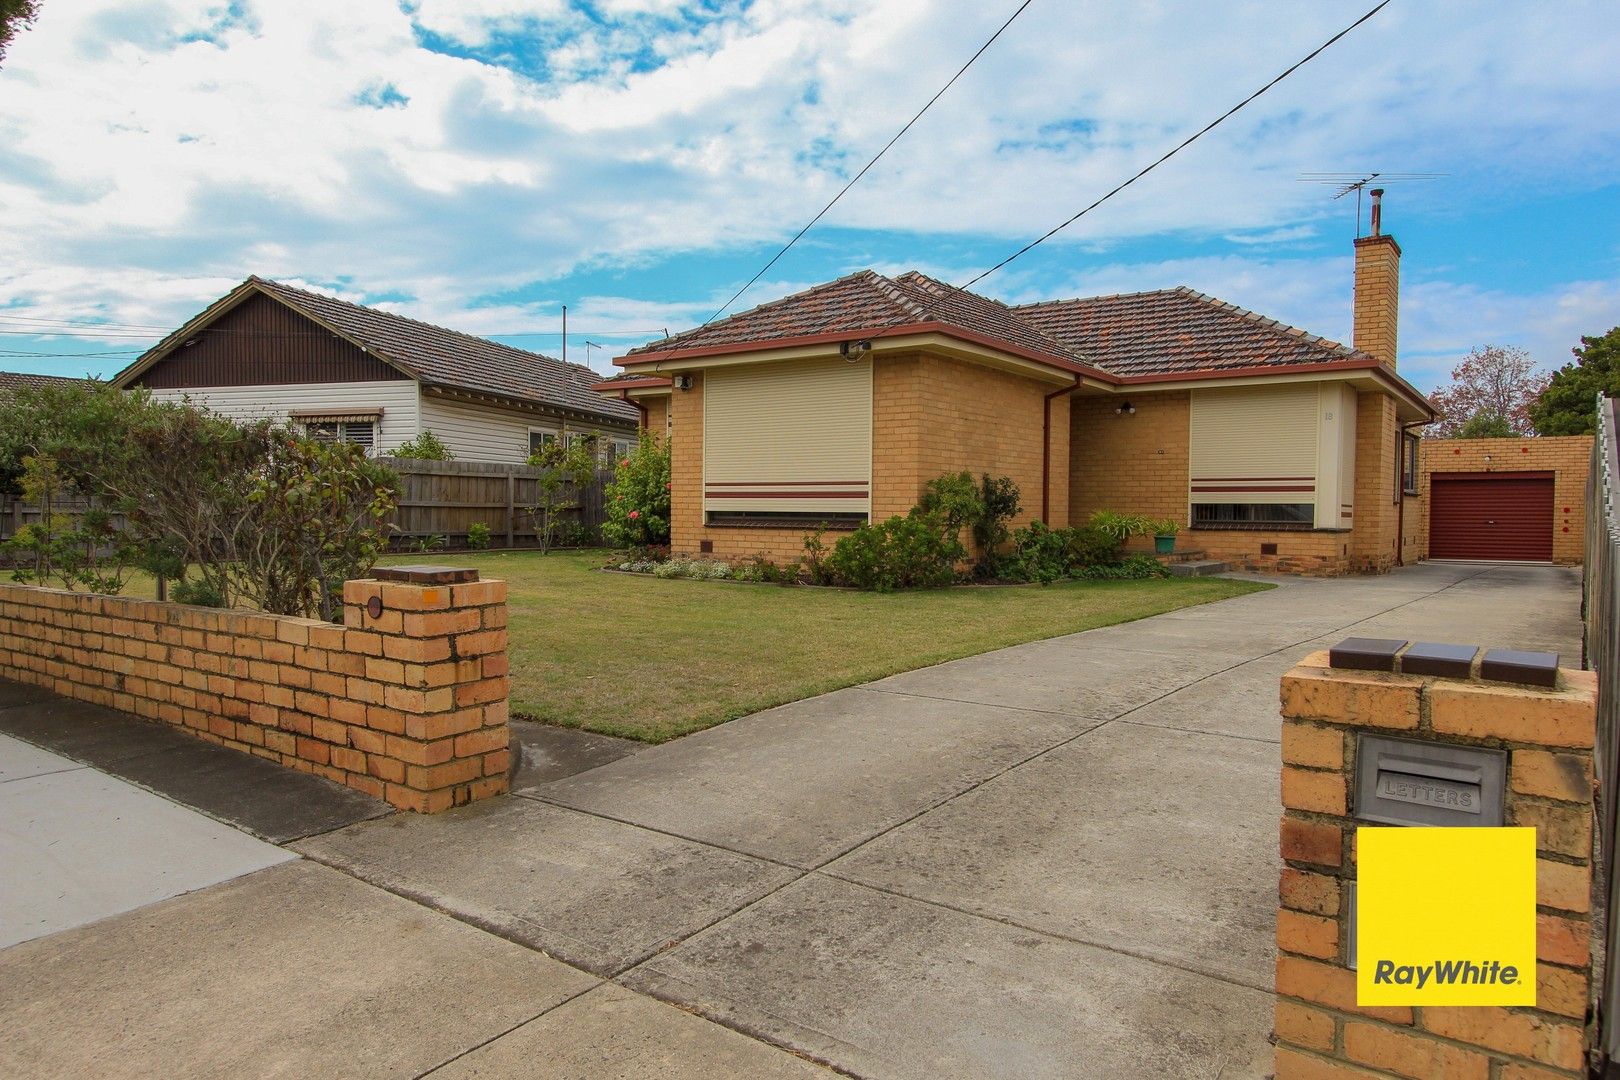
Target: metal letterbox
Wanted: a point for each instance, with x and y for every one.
(1402, 782)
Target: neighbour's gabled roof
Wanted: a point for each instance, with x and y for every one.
(869, 303)
(433, 355)
(1172, 331)
(16, 380)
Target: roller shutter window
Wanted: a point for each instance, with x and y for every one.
(1254, 454)
(788, 441)
(1491, 516)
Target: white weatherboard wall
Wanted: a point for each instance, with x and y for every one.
(396, 398)
(487, 433)
(791, 437)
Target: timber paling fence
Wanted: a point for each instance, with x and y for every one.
(443, 499)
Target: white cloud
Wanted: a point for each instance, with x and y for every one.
(152, 153)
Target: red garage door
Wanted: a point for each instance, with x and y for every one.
(1491, 516)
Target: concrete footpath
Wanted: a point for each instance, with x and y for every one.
(1052, 860)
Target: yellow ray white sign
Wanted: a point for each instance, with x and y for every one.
(1446, 916)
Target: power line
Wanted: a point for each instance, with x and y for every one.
(1178, 148)
(87, 330)
(864, 169)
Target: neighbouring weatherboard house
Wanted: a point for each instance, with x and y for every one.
(1272, 447)
(362, 375)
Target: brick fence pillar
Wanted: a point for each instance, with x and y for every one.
(433, 692)
(1547, 734)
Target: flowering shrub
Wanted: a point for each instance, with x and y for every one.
(638, 497)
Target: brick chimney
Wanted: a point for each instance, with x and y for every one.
(1378, 287)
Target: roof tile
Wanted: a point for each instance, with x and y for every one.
(460, 361)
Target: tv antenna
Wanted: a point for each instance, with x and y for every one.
(1345, 183)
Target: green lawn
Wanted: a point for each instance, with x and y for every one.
(652, 659)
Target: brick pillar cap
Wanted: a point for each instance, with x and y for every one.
(426, 575)
(1381, 238)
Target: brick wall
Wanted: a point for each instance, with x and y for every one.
(1567, 457)
(988, 421)
(1139, 464)
(657, 414)
(930, 415)
(1548, 734)
(1377, 303)
(1378, 515)
(1135, 464)
(408, 706)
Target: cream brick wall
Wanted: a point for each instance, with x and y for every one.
(930, 415)
(1139, 464)
(1377, 303)
(409, 705)
(1567, 457)
(1135, 464)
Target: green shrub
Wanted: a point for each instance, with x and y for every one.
(912, 552)
(1091, 547)
(261, 515)
(815, 558)
(425, 447)
(983, 507)
(478, 536)
(637, 499)
(999, 498)
(1132, 567)
(199, 593)
(954, 499)
(1039, 554)
(1119, 526)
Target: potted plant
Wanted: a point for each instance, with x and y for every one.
(1164, 535)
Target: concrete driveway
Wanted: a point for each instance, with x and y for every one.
(1052, 860)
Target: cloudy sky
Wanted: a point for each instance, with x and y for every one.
(481, 163)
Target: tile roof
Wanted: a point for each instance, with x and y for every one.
(16, 380)
(1171, 331)
(452, 359)
(861, 302)
(1177, 330)
(431, 354)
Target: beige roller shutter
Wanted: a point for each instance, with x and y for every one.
(1254, 445)
(793, 437)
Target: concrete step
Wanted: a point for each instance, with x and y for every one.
(1180, 555)
(1198, 568)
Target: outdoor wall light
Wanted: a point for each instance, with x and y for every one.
(683, 382)
(1125, 408)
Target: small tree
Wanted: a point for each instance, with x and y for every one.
(1494, 383)
(564, 469)
(638, 497)
(1568, 406)
(425, 447)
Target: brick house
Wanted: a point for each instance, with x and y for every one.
(1274, 448)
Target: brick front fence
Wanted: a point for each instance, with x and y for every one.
(406, 701)
(1546, 735)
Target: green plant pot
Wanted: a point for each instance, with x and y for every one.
(1164, 545)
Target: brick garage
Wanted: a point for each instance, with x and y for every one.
(1565, 460)
(408, 704)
